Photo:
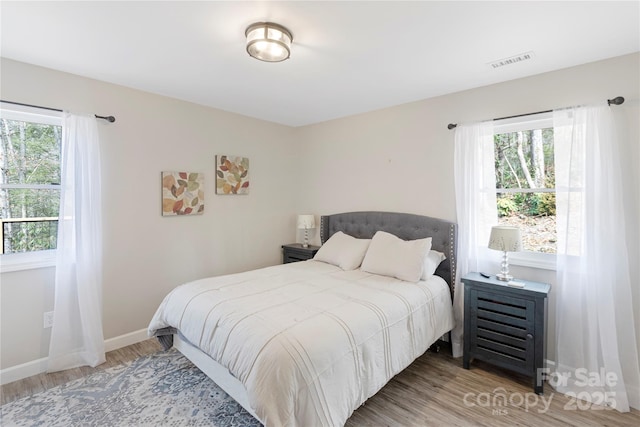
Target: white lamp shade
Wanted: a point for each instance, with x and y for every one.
(505, 238)
(306, 221)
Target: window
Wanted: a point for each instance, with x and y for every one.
(29, 180)
(525, 180)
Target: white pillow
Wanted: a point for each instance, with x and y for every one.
(343, 250)
(389, 255)
(431, 262)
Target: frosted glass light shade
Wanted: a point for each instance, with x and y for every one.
(306, 221)
(268, 42)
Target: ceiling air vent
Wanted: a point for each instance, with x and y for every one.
(511, 60)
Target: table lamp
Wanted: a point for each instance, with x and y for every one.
(506, 239)
(305, 222)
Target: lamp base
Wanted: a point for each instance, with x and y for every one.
(504, 271)
(504, 277)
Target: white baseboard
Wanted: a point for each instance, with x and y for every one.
(35, 367)
(25, 370)
(125, 340)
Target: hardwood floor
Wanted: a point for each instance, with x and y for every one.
(434, 391)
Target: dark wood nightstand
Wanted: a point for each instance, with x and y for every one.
(294, 252)
(505, 325)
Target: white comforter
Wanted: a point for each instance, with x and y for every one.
(309, 341)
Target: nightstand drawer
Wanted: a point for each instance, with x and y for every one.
(295, 252)
(294, 257)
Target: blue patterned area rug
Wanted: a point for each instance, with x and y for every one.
(162, 389)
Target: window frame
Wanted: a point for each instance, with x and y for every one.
(42, 258)
(538, 260)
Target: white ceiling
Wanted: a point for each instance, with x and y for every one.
(347, 57)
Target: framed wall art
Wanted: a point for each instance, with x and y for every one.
(232, 174)
(182, 193)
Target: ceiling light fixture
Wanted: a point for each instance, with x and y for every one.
(268, 42)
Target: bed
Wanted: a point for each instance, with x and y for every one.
(305, 344)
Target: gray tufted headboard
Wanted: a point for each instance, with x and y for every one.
(364, 225)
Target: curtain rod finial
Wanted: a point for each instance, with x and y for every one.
(616, 101)
(110, 119)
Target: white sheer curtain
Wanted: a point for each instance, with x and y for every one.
(475, 186)
(595, 336)
(77, 337)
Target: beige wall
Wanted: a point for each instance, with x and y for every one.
(145, 254)
(396, 159)
(401, 158)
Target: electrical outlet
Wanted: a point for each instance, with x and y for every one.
(48, 319)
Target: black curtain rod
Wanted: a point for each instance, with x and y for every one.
(110, 119)
(615, 101)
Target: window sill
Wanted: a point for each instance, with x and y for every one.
(533, 260)
(27, 261)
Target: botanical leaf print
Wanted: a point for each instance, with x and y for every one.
(182, 193)
(232, 175)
